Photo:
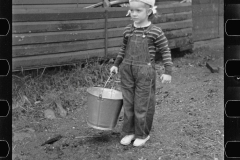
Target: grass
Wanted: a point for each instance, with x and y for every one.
(36, 90)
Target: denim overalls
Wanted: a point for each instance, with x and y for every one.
(138, 78)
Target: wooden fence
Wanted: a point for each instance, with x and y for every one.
(53, 36)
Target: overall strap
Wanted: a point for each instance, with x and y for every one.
(132, 28)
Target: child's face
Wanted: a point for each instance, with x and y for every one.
(139, 12)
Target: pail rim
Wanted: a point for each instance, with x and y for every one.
(105, 93)
(97, 127)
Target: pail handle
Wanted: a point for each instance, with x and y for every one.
(100, 95)
(108, 79)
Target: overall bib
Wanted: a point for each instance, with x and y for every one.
(138, 78)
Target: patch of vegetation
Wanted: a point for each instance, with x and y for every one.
(36, 90)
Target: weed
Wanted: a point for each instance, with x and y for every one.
(68, 84)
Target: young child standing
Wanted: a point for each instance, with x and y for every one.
(136, 63)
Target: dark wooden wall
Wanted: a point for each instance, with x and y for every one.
(36, 4)
(207, 19)
(56, 36)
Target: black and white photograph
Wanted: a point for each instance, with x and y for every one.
(118, 79)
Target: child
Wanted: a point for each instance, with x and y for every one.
(136, 63)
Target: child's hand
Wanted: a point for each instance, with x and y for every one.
(114, 69)
(166, 78)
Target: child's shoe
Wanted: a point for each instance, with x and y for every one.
(127, 139)
(140, 142)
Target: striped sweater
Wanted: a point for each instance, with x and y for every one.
(158, 44)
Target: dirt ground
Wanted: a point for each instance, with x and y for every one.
(188, 122)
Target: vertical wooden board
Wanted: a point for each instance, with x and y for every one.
(221, 9)
(221, 26)
(204, 9)
(205, 22)
(205, 34)
(221, 18)
(204, 1)
(205, 19)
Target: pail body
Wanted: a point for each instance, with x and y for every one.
(103, 107)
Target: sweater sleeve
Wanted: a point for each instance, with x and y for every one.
(121, 53)
(161, 44)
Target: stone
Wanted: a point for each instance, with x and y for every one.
(213, 68)
(49, 114)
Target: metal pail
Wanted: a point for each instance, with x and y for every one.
(104, 106)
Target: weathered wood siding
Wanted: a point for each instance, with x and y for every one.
(56, 36)
(36, 4)
(207, 19)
